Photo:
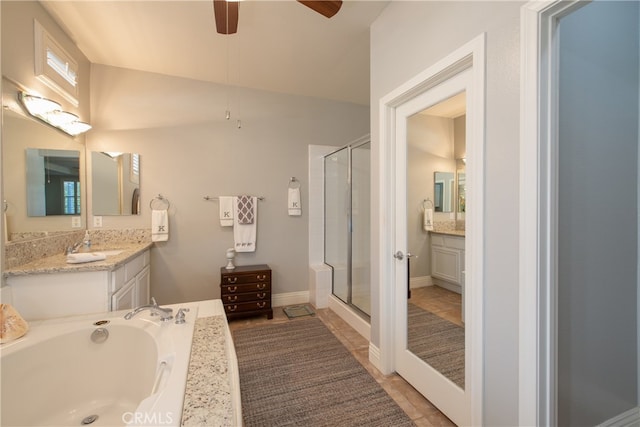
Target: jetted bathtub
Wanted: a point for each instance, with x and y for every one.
(69, 372)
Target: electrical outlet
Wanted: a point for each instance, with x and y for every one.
(76, 222)
(97, 221)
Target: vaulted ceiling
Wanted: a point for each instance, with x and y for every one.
(281, 46)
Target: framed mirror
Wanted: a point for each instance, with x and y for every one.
(53, 182)
(115, 181)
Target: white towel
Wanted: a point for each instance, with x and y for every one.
(427, 220)
(244, 235)
(294, 206)
(159, 225)
(79, 258)
(226, 211)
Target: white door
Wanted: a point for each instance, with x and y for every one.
(422, 372)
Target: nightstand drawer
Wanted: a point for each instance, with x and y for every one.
(253, 296)
(248, 287)
(247, 306)
(236, 279)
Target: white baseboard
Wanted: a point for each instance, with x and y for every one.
(449, 286)
(289, 298)
(374, 356)
(420, 282)
(630, 418)
(355, 321)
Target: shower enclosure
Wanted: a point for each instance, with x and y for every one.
(347, 224)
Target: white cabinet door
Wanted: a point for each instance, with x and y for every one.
(446, 264)
(124, 299)
(143, 284)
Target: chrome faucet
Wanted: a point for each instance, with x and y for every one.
(164, 313)
(73, 249)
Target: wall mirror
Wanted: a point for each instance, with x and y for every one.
(20, 134)
(115, 181)
(53, 182)
(461, 205)
(444, 191)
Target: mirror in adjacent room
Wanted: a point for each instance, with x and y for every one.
(462, 194)
(115, 183)
(435, 320)
(53, 182)
(444, 191)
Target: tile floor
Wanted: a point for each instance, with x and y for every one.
(419, 409)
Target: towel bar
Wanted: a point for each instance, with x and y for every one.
(214, 198)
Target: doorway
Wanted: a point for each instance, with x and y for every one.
(460, 72)
(579, 280)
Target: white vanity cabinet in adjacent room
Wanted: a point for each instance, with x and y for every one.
(447, 261)
(92, 289)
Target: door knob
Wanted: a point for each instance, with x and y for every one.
(399, 255)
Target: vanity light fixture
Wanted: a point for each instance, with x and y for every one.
(51, 113)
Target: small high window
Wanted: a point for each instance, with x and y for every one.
(54, 66)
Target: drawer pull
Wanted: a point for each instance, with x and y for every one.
(232, 307)
(261, 276)
(232, 298)
(232, 289)
(262, 286)
(262, 295)
(262, 304)
(232, 279)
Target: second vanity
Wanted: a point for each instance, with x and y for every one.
(49, 287)
(447, 261)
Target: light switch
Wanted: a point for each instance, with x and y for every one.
(76, 222)
(97, 221)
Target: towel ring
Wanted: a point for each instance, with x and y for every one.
(293, 182)
(161, 204)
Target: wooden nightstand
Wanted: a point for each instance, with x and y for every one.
(246, 291)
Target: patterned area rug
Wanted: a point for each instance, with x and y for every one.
(299, 374)
(438, 342)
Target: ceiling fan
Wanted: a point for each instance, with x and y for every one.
(226, 12)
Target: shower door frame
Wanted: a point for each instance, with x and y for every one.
(349, 230)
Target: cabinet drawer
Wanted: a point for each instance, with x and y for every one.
(252, 296)
(233, 279)
(246, 306)
(244, 288)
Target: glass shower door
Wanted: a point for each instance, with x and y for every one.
(360, 227)
(347, 224)
(336, 217)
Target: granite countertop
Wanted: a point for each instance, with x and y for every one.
(58, 263)
(207, 399)
(460, 233)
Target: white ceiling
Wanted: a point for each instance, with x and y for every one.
(281, 46)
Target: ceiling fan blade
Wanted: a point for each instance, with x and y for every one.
(326, 8)
(226, 13)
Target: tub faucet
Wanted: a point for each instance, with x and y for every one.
(164, 313)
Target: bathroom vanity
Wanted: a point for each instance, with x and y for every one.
(447, 260)
(49, 287)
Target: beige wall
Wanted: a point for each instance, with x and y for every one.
(396, 56)
(188, 150)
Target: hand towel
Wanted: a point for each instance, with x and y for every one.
(294, 206)
(244, 235)
(159, 225)
(427, 220)
(226, 211)
(245, 213)
(82, 257)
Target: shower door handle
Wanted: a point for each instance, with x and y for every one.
(400, 256)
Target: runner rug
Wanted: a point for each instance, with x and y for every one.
(299, 374)
(438, 342)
